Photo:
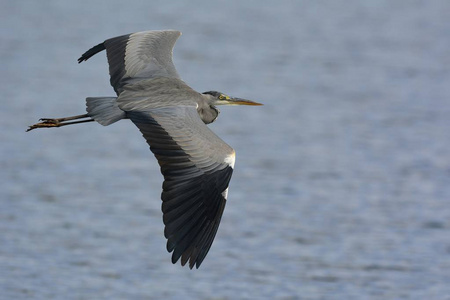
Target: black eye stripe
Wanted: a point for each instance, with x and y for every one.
(213, 93)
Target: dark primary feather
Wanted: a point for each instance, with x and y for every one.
(193, 189)
(91, 52)
(115, 51)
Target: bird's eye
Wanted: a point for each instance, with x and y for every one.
(223, 97)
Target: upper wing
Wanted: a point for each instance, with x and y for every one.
(197, 167)
(138, 56)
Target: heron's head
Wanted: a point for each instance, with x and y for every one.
(218, 98)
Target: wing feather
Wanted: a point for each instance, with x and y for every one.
(196, 167)
(138, 56)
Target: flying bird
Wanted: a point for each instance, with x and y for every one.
(196, 164)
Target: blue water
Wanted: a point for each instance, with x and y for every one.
(342, 182)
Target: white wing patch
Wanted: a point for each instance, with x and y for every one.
(230, 159)
(225, 193)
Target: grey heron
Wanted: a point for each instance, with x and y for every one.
(196, 164)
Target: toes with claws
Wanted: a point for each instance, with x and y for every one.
(46, 123)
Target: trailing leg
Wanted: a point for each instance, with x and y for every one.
(49, 123)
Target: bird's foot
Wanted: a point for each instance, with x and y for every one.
(46, 123)
(59, 122)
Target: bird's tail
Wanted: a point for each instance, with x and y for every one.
(104, 110)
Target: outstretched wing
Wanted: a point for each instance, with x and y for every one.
(197, 167)
(137, 56)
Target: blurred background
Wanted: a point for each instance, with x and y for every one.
(342, 181)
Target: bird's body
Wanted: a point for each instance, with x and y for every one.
(196, 164)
